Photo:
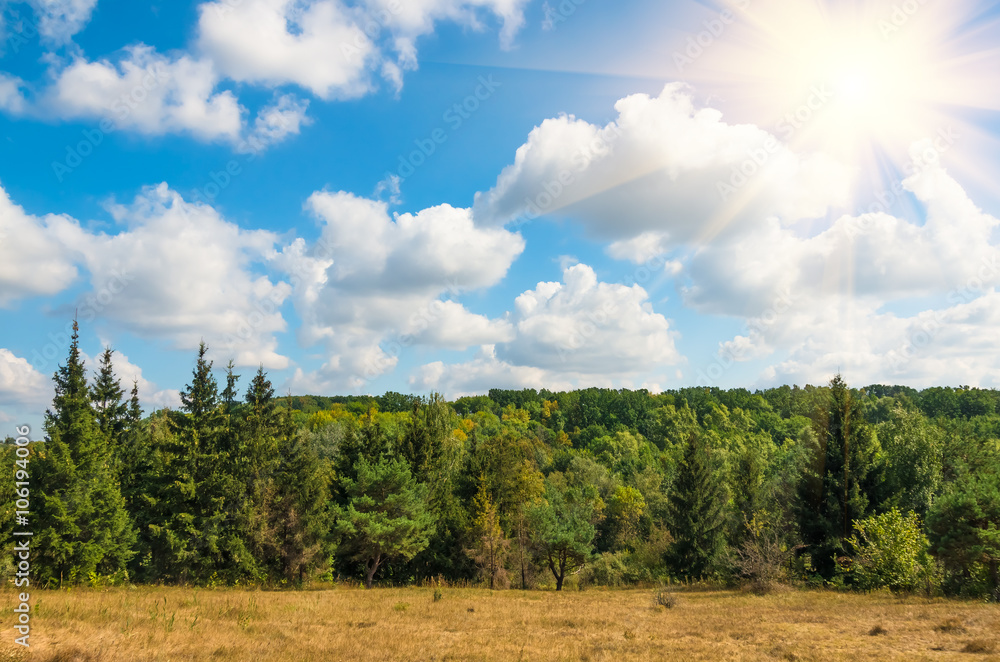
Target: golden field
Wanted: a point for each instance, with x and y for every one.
(154, 623)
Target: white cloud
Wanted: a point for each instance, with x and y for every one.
(577, 333)
(317, 45)
(20, 383)
(59, 20)
(332, 49)
(149, 93)
(32, 261)
(181, 272)
(658, 174)
(11, 95)
(285, 117)
(586, 327)
(825, 303)
(410, 19)
(373, 284)
(484, 372)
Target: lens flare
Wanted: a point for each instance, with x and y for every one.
(876, 76)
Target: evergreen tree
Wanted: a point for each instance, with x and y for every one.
(82, 524)
(697, 512)
(110, 412)
(301, 511)
(964, 526)
(837, 488)
(386, 516)
(194, 532)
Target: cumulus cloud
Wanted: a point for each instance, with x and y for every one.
(583, 326)
(663, 174)
(580, 332)
(20, 383)
(330, 48)
(374, 280)
(317, 45)
(33, 262)
(823, 303)
(181, 272)
(285, 117)
(327, 47)
(150, 93)
(482, 373)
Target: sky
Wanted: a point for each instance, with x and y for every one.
(457, 195)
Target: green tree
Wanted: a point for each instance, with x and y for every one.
(386, 516)
(82, 524)
(838, 487)
(562, 525)
(964, 525)
(301, 513)
(110, 412)
(697, 512)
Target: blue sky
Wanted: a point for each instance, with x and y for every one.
(453, 195)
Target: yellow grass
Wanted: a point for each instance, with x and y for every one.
(149, 623)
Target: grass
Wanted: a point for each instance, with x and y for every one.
(150, 623)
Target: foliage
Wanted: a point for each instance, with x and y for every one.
(891, 551)
(386, 516)
(620, 487)
(562, 526)
(697, 513)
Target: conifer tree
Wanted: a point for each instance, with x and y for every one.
(386, 517)
(837, 488)
(697, 512)
(301, 510)
(110, 412)
(82, 524)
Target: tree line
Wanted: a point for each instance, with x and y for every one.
(879, 487)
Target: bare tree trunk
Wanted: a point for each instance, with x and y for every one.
(372, 567)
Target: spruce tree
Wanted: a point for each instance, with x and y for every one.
(82, 524)
(301, 511)
(837, 488)
(110, 412)
(697, 512)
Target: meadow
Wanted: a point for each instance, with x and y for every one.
(438, 624)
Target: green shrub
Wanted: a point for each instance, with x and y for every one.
(891, 551)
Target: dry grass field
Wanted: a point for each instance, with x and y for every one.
(350, 624)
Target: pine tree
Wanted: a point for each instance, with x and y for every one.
(386, 517)
(83, 526)
(697, 512)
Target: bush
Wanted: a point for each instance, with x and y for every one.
(891, 552)
(665, 598)
(762, 557)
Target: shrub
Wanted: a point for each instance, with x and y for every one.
(665, 598)
(891, 552)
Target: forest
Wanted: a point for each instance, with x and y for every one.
(880, 487)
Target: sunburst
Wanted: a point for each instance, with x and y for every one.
(860, 81)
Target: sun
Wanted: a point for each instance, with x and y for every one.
(864, 79)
